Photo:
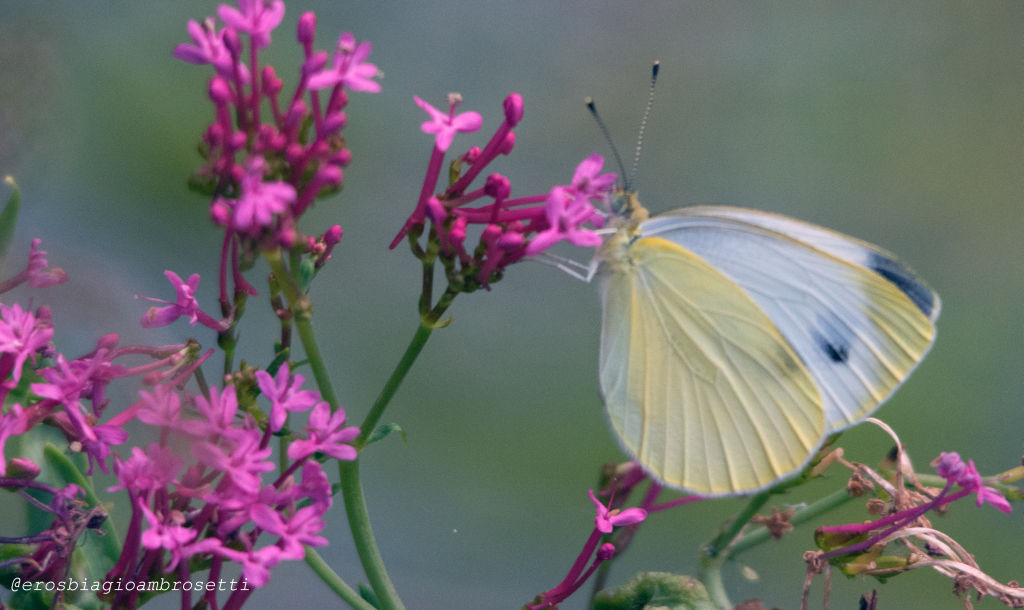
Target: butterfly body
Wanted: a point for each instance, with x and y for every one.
(734, 341)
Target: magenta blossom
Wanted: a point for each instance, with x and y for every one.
(254, 17)
(606, 520)
(186, 306)
(256, 563)
(22, 335)
(148, 470)
(326, 435)
(952, 468)
(511, 227)
(285, 395)
(350, 68)
(39, 276)
(445, 125)
(209, 48)
(259, 200)
(301, 528)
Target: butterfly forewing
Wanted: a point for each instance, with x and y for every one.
(858, 319)
(699, 384)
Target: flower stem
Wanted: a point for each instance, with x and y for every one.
(362, 536)
(834, 500)
(716, 552)
(332, 580)
(392, 384)
(351, 488)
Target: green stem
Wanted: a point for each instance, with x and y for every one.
(362, 536)
(393, 382)
(302, 313)
(351, 488)
(720, 545)
(336, 584)
(715, 553)
(832, 501)
(316, 361)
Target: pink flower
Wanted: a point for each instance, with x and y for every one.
(606, 520)
(186, 305)
(218, 414)
(446, 125)
(148, 470)
(22, 335)
(241, 464)
(259, 200)
(162, 535)
(326, 435)
(301, 528)
(285, 395)
(951, 467)
(350, 68)
(161, 407)
(566, 212)
(255, 18)
(38, 274)
(209, 48)
(589, 183)
(256, 563)
(315, 485)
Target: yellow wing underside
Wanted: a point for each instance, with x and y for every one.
(698, 383)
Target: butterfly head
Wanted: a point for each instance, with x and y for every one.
(625, 205)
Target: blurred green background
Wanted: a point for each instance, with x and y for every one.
(900, 123)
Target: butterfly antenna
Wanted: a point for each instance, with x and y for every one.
(608, 138)
(643, 124)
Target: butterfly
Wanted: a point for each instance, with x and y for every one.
(735, 341)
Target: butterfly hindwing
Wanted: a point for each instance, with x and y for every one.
(699, 384)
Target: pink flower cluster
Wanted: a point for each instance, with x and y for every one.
(216, 503)
(265, 171)
(511, 228)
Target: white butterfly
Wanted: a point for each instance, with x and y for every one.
(734, 341)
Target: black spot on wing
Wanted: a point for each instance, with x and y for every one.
(903, 279)
(836, 353)
(835, 349)
(832, 336)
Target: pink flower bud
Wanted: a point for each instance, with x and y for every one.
(334, 122)
(341, 158)
(220, 212)
(271, 83)
(513, 109)
(219, 90)
(22, 468)
(510, 240)
(333, 236)
(606, 551)
(508, 144)
(306, 32)
(497, 186)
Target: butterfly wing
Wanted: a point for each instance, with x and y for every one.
(698, 383)
(859, 319)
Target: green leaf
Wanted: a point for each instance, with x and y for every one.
(306, 273)
(383, 431)
(656, 591)
(8, 218)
